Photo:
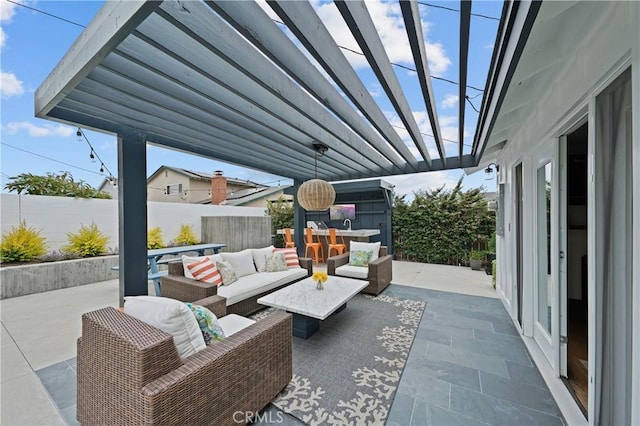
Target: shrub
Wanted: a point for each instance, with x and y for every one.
(154, 238)
(89, 241)
(477, 255)
(281, 212)
(186, 237)
(22, 244)
(494, 272)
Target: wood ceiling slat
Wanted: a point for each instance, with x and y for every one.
(205, 36)
(250, 20)
(302, 20)
(465, 23)
(359, 21)
(244, 87)
(218, 147)
(155, 88)
(154, 103)
(413, 26)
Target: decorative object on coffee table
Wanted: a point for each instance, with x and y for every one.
(320, 278)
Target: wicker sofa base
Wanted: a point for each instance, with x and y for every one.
(129, 373)
(177, 286)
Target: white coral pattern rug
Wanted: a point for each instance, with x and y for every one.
(375, 386)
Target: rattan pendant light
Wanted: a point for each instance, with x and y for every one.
(316, 194)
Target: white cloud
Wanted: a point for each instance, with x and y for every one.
(10, 85)
(3, 38)
(408, 184)
(39, 131)
(7, 10)
(450, 101)
(488, 46)
(388, 20)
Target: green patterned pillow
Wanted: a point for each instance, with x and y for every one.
(359, 258)
(227, 272)
(276, 263)
(208, 323)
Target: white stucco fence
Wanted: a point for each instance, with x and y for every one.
(54, 217)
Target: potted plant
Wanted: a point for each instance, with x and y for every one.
(475, 259)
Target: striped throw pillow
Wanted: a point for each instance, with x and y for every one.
(291, 257)
(205, 271)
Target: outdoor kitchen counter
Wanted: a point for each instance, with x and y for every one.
(364, 233)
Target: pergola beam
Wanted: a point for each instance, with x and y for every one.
(249, 19)
(413, 26)
(302, 21)
(465, 23)
(359, 21)
(230, 52)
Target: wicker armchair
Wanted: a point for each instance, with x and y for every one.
(129, 372)
(177, 286)
(379, 271)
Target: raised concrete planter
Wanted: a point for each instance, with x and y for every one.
(37, 278)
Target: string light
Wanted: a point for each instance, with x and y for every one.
(93, 155)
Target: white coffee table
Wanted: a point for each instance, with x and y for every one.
(309, 306)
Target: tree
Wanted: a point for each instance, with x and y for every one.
(281, 212)
(61, 185)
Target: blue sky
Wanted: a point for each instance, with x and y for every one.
(32, 43)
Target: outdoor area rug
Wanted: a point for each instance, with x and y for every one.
(348, 371)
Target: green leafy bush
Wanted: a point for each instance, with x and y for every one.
(186, 236)
(440, 226)
(62, 185)
(494, 272)
(154, 238)
(477, 255)
(281, 212)
(89, 241)
(22, 244)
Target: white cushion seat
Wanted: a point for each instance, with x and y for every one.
(233, 323)
(254, 284)
(358, 272)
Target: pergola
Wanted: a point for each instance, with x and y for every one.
(223, 80)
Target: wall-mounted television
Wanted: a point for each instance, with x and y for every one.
(342, 212)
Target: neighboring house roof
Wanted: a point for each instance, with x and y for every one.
(191, 174)
(244, 196)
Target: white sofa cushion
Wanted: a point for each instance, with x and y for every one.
(241, 262)
(170, 316)
(359, 272)
(373, 247)
(260, 257)
(251, 285)
(233, 323)
(187, 260)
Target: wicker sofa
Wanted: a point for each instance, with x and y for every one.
(130, 373)
(177, 286)
(379, 272)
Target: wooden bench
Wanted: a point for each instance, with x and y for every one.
(152, 276)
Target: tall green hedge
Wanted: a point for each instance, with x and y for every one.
(441, 226)
(281, 212)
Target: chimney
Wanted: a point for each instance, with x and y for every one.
(218, 187)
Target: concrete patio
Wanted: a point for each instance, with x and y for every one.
(467, 349)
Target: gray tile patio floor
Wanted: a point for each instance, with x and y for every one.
(468, 364)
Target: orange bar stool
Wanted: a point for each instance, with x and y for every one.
(317, 252)
(288, 240)
(333, 243)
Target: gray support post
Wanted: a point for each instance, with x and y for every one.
(132, 214)
(299, 219)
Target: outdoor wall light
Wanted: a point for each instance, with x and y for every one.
(316, 194)
(489, 170)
